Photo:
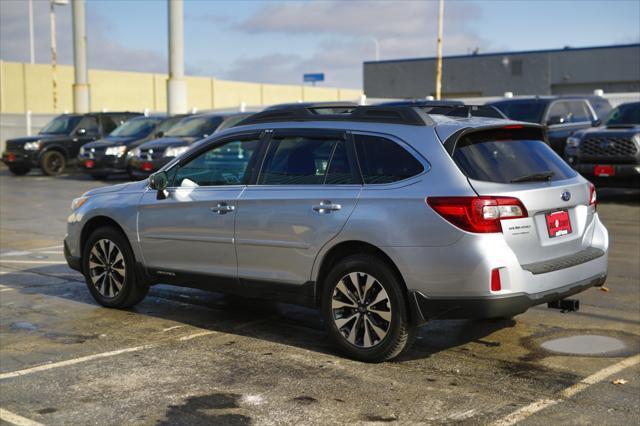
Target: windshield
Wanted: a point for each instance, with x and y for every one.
(140, 127)
(196, 126)
(529, 111)
(625, 114)
(230, 122)
(169, 123)
(62, 125)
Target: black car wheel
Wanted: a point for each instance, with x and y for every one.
(108, 266)
(19, 170)
(53, 163)
(365, 309)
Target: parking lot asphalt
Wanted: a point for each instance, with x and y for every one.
(191, 357)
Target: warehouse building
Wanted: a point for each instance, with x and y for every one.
(541, 72)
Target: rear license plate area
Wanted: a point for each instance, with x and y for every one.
(558, 223)
(602, 170)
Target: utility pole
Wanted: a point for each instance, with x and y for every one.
(54, 51)
(32, 50)
(439, 55)
(81, 100)
(376, 43)
(176, 86)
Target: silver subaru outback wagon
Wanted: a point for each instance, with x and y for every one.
(382, 217)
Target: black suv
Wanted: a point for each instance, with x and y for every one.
(562, 116)
(609, 155)
(109, 154)
(151, 156)
(60, 141)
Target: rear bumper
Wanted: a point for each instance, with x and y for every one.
(425, 308)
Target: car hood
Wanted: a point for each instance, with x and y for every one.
(130, 186)
(162, 143)
(19, 142)
(112, 141)
(613, 131)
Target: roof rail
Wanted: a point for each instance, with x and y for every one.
(375, 114)
(467, 111)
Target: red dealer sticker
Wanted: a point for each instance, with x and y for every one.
(89, 164)
(558, 223)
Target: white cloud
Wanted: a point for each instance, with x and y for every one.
(403, 29)
(104, 52)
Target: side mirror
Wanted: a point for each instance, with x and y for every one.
(555, 119)
(159, 182)
(81, 132)
(597, 122)
(159, 134)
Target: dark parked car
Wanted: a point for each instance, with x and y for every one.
(609, 154)
(563, 116)
(109, 155)
(59, 142)
(150, 156)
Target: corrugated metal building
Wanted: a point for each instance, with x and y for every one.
(541, 72)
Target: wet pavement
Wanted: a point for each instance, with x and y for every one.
(187, 356)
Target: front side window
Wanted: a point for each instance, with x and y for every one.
(384, 161)
(302, 160)
(90, 124)
(579, 112)
(225, 164)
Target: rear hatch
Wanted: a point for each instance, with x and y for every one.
(514, 161)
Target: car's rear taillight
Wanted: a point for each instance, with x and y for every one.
(593, 200)
(496, 284)
(478, 214)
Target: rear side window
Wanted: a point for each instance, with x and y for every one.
(302, 160)
(384, 161)
(508, 156)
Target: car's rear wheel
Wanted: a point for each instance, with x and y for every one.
(53, 163)
(19, 170)
(108, 265)
(365, 309)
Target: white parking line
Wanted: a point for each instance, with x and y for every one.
(15, 419)
(36, 262)
(541, 404)
(50, 247)
(53, 365)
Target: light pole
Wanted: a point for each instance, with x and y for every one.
(176, 85)
(32, 51)
(377, 46)
(54, 51)
(81, 102)
(439, 55)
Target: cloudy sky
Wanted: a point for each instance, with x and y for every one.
(278, 41)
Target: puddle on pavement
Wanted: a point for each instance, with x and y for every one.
(590, 343)
(22, 325)
(584, 345)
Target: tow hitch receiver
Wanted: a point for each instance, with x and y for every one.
(565, 305)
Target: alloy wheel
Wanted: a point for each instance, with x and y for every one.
(361, 309)
(107, 268)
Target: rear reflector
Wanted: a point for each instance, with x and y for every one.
(11, 157)
(478, 214)
(147, 167)
(496, 285)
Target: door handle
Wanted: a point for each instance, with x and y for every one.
(223, 208)
(326, 207)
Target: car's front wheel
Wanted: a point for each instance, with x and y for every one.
(365, 309)
(53, 163)
(108, 265)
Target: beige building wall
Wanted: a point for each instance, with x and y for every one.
(27, 87)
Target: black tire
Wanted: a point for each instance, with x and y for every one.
(99, 176)
(19, 170)
(131, 291)
(400, 334)
(53, 163)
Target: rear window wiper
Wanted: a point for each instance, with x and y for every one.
(534, 177)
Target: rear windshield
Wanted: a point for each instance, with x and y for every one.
(505, 156)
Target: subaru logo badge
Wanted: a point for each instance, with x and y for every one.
(566, 196)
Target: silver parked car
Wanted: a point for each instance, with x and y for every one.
(382, 217)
